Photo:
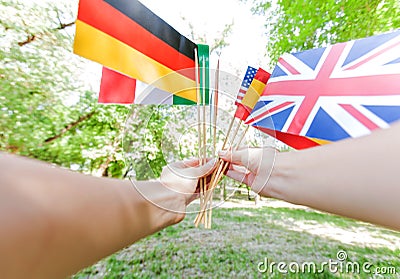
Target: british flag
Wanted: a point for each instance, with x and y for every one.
(248, 78)
(332, 93)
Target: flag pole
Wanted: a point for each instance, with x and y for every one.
(216, 175)
(215, 178)
(221, 164)
(198, 97)
(215, 106)
(242, 137)
(222, 169)
(236, 147)
(228, 133)
(215, 103)
(236, 131)
(203, 95)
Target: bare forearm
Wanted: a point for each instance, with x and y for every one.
(357, 178)
(55, 222)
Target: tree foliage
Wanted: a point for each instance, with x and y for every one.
(295, 25)
(48, 111)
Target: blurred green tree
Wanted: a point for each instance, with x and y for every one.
(48, 109)
(295, 25)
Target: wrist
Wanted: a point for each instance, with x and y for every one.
(168, 205)
(282, 178)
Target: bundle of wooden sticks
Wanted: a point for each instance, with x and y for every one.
(207, 188)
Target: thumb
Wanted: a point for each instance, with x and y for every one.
(193, 172)
(205, 169)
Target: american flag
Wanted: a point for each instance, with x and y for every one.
(344, 90)
(248, 78)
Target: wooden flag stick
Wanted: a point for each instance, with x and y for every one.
(198, 97)
(215, 106)
(200, 215)
(221, 169)
(213, 183)
(236, 131)
(203, 87)
(215, 178)
(211, 186)
(242, 137)
(236, 146)
(228, 133)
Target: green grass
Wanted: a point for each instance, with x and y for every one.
(243, 237)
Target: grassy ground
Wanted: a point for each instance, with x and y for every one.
(243, 237)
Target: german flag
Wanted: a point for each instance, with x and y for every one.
(128, 38)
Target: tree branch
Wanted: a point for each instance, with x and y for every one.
(70, 126)
(32, 37)
(29, 39)
(64, 25)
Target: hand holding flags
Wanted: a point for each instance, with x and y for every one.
(252, 86)
(313, 97)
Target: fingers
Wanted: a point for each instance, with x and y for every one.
(197, 170)
(204, 170)
(247, 157)
(190, 169)
(193, 162)
(254, 159)
(239, 157)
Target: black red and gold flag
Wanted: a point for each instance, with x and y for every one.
(127, 37)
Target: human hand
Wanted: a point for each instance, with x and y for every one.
(252, 166)
(183, 176)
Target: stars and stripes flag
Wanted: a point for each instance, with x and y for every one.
(332, 93)
(248, 78)
(252, 95)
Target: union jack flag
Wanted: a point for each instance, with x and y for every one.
(248, 78)
(328, 94)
